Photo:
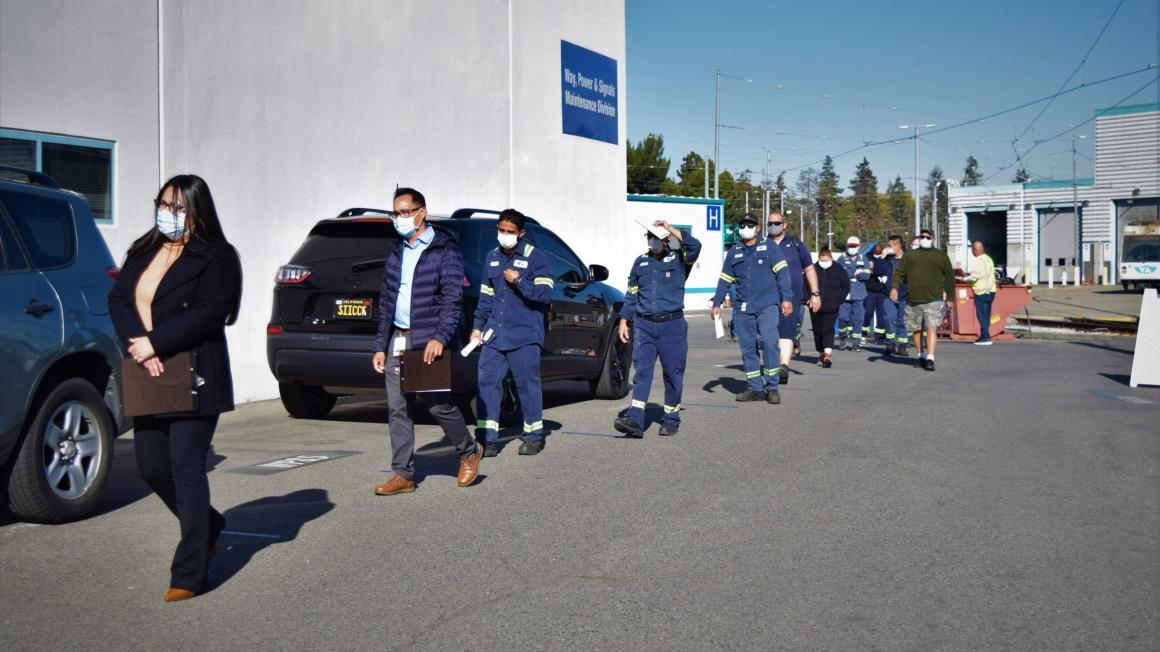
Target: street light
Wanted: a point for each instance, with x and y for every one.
(717, 131)
(917, 222)
(1075, 211)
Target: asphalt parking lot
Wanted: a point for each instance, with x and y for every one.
(1009, 500)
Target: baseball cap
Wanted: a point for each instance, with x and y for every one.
(853, 240)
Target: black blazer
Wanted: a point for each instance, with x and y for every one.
(833, 285)
(198, 296)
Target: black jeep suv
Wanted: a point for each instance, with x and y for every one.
(325, 314)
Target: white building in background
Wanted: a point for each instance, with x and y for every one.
(295, 111)
(1030, 229)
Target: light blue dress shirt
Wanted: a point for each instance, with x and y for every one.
(411, 254)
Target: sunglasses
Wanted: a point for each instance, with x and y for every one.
(776, 223)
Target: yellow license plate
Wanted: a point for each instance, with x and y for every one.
(352, 308)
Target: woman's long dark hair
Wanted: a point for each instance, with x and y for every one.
(201, 219)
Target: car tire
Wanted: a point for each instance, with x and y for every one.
(62, 466)
(305, 401)
(613, 382)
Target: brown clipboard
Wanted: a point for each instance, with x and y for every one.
(173, 392)
(418, 376)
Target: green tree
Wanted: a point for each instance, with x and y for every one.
(864, 185)
(829, 190)
(691, 175)
(899, 207)
(971, 176)
(1021, 175)
(647, 166)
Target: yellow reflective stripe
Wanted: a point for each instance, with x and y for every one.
(780, 266)
(486, 289)
(632, 289)
(528, 249)
(727, 278)
(638, 404)
(672, 409)
(544, 280)
(532, 427)
(752, 374)
(771, 372)
(487, 425)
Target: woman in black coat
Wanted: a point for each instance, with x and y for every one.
(179, 287)
(834, 286)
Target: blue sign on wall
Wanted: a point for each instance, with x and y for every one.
(712, 218)
(589, 93)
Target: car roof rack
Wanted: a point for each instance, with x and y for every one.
(468, 213)
(354, 212)
(34, 177)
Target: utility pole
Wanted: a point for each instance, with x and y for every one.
(717, 137)
(1075, 211)
(706, 195)
(917, 218)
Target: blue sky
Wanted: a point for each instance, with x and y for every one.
(851, 72)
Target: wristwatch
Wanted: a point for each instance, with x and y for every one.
(815, 294)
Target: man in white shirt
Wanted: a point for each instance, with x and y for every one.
(981, 272)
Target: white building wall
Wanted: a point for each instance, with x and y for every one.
(295, 111)
(89, 69)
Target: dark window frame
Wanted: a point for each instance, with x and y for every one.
(39, 139)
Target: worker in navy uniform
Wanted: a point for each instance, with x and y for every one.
(514, 297)
(853, 309)
(758, 269)
(801, 272)
(886, 315)
(655, 306)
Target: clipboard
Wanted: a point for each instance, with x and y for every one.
(417, 376)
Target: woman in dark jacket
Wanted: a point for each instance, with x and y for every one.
(179, 287)
(834, 286)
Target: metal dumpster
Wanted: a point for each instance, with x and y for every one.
(962, 324)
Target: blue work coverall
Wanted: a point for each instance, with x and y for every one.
(879, 308)
(511, 317)
(761, 278)
(853, 310)
(655, 304)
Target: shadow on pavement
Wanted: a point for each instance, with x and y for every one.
(1123, 379)
(729, 384)
(254, 526)
(1105, 347)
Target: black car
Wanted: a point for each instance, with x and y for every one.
(325, 313)
(60, 404)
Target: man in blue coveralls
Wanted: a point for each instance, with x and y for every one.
(758, 268)
(655, 306)
(853, 310)
(801, 271)
(514, 298)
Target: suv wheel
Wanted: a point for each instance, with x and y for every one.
(305, 401)
(63, 463)
(613, 382)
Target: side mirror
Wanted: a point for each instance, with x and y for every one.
(572, 278)
(599, 273)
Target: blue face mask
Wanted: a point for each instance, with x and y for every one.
(170, 225)
(405, 226)
(655, 245)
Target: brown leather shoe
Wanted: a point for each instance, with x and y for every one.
(396, 484)
(469, 468)
(177, 595)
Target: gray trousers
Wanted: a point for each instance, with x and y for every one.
(403, 429)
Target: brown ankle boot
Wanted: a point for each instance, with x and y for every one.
(177, 595)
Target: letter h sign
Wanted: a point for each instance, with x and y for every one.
(712, 218)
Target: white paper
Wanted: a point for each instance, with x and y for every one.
(718, 327)
(471, 346)
(398, 345)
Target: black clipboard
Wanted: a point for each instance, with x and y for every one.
(418, 376)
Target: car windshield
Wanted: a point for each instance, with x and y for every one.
(1142, 249)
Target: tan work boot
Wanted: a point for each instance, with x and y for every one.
(469, 468)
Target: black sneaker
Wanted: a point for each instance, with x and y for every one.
(928, 364)
(491, 449)
(748, 396)
(828, 361)
(668, 431)
(841, 343)
(531, 447)
(783, 374)
(902, 350)
(889, 350)
(773, 397)
(628, 427)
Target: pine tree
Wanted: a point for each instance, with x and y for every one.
(865, 188)
(935, 181)
(828, 190)
(971, 176)
(899, 207)
(1021, 175)
(691, 176)
(647, 166)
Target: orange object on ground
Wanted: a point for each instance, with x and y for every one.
(963, 324)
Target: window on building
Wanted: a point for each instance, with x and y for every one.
(82, 165)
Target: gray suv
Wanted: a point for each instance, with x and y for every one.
(59, 398)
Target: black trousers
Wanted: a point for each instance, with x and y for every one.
(171, 456)
(823, 327)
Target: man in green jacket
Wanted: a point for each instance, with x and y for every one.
(930, 280)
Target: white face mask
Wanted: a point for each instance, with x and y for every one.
(507, 240)
(925, 243)
(747, 232)
(776, 230)
(852, 250)
(170, 225)
(825, 264)
(914, 246)
(405, 225)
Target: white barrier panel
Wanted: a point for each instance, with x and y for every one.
(1050, 278)
(1146, 359)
